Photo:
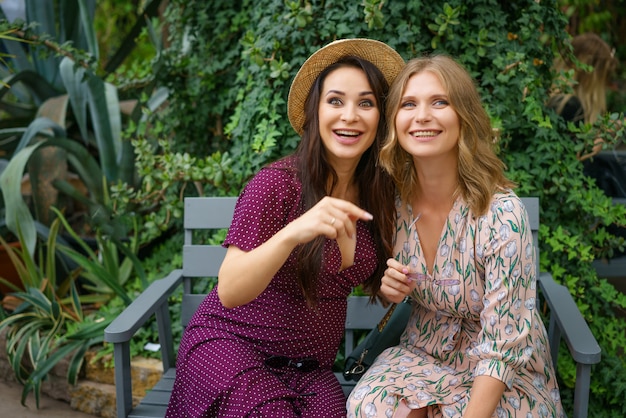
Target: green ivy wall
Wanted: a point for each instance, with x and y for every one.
(229, 65)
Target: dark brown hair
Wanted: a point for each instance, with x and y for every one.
(375, 187)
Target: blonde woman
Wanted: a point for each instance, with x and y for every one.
(475, 345)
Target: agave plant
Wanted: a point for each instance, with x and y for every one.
(54, 319)
(72, 114)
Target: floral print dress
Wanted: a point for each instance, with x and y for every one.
(474, 314)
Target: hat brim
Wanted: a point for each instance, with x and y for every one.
(388, 61)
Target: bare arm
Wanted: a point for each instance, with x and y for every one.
(484, 397)
(244, 275)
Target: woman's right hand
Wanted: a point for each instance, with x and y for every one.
(239, 284)
(396, 284)
(330, 217)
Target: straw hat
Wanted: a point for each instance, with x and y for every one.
(388, 61)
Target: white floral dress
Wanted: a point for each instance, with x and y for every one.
(474, 314)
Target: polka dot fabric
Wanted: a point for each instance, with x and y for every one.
(220, 366)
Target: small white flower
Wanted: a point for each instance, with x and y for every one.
(529, 251)
(449, 411)
(511, 249)
(539, 381)
(555, 395)
(370, 410)
(527, 269)
(360, 392)
(505, 232)
(454, 290)
(423, 396)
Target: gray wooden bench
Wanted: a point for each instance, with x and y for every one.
(204, 261)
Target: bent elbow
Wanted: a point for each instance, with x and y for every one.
(227, 300)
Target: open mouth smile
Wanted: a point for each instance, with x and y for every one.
(424, 134)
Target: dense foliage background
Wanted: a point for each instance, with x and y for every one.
(229, 66)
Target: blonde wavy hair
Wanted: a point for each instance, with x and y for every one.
(480, 171)
(589, 86)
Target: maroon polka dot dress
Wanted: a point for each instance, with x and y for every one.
(221, 370)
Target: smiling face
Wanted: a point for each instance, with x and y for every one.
(426, 123)
(348, 115)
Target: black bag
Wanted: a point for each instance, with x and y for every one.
(386, 334)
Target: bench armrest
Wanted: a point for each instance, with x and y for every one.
(567, 322)
(152, 301)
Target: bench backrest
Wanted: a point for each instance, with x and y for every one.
(202, 260)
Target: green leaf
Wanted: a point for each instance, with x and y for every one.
(73, 80)
(19, 220)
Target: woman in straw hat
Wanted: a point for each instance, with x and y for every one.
(475, 345)
(306, 230)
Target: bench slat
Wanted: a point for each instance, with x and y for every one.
(157, 397)
(148, 411)
(202, 260)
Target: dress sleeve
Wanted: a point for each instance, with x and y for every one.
(506, 250)
(268, 202)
